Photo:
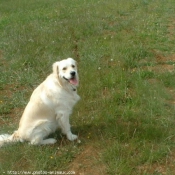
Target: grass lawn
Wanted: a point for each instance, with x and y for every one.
(126, 56)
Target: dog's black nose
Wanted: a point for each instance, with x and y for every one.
(73, 73)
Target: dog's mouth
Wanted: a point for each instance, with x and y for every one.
(72, 81)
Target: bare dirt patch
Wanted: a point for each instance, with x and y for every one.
(161, 59)
(88, 162)
(171, 91)
(160, 68)
(171, 29)
(162, 64)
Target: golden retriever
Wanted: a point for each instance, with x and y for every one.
(49, 107)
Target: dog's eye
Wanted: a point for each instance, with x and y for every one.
(73, 66)
(64, 68)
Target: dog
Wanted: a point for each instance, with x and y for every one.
(49, 108)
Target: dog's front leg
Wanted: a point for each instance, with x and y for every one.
(65, 127)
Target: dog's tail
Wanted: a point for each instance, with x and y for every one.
(6, 138)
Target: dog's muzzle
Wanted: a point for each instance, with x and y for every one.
(73, 73)
(73, 80)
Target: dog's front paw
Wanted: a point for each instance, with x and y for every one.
(71, 136)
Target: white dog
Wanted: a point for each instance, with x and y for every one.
(49, 107)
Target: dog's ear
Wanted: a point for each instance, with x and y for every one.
(56, 68)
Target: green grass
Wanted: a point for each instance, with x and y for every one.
(126, 114)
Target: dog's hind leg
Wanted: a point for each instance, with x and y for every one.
(48, 141)
(40, 132)
(40, 141)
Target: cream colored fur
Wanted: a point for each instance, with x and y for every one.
(49, 107)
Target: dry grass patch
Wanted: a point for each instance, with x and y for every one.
(88, 162)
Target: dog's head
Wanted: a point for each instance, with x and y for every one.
(66, 70)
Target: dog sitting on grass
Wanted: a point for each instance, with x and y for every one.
(49, 107)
